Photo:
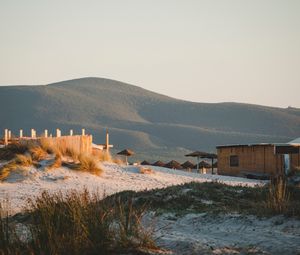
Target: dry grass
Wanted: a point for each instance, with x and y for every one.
(144, 170)
(23, 160)
(118, 161)
(30, 153)
(38, 153)
(79, 223)
(278, 196)
(11, 150)
(15, 166)
(56, 163)
(47, 146)
(103, 156)
(87, 163)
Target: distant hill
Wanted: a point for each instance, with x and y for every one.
(153, 125)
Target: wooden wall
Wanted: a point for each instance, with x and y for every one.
(254, 159)
(79, 143)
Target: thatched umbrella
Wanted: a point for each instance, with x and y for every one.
(187, 165)
(204, 164)
(159, 163)
(145, 163)
(201, 154)
(173, 165)
(126, 153)
(198, 155)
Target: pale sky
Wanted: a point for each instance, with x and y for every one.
(204, 51)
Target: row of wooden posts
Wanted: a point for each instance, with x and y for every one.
(8, 134)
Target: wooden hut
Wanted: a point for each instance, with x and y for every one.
(258, 160)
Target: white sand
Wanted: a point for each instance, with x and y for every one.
(228, 234)
(190, 234)
(18, 188)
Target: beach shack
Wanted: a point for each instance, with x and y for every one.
(258, 160)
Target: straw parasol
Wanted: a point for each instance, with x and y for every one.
(159, 163)
(173, 165)
(201, 154)
(187, 165)
(145, 163)
(126, 153)
(204, 164)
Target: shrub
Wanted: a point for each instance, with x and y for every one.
(11, 150)
(38, 153)
(87, 163)
(144, 170)
(56, 162)
(278, 196)
(81, 223)
(23, 160)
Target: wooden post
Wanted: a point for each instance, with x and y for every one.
(71, 132)
(33, 133)
(107, 141)
(46, 133)
(83, 131)
(58, 133)
(21, 133)
(51, 135)
(5, 137)
(9, 134)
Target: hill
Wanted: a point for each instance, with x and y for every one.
(155, 126)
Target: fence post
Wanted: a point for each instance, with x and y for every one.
(83, 131)
(46, 133)
(9, 134)
(71, 132)
(32, 133)
(5, 136)
(58, 133)
(21, 133)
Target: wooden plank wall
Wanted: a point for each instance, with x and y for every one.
(79, 143)
(255, 159)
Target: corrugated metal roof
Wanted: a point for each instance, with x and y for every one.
(258, 144)
(295, 141)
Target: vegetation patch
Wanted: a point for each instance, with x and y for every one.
(216, 198)
(78, 223)
(27, 154)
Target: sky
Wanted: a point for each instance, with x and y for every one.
(198, 50)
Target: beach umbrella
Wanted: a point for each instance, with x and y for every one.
(198, 155)
(159, 163)
(204, 164)
(145, 163)
(201, 154)
(127, 153)
(187, 165)
(173, 165)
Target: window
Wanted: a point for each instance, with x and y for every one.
(234, 160)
